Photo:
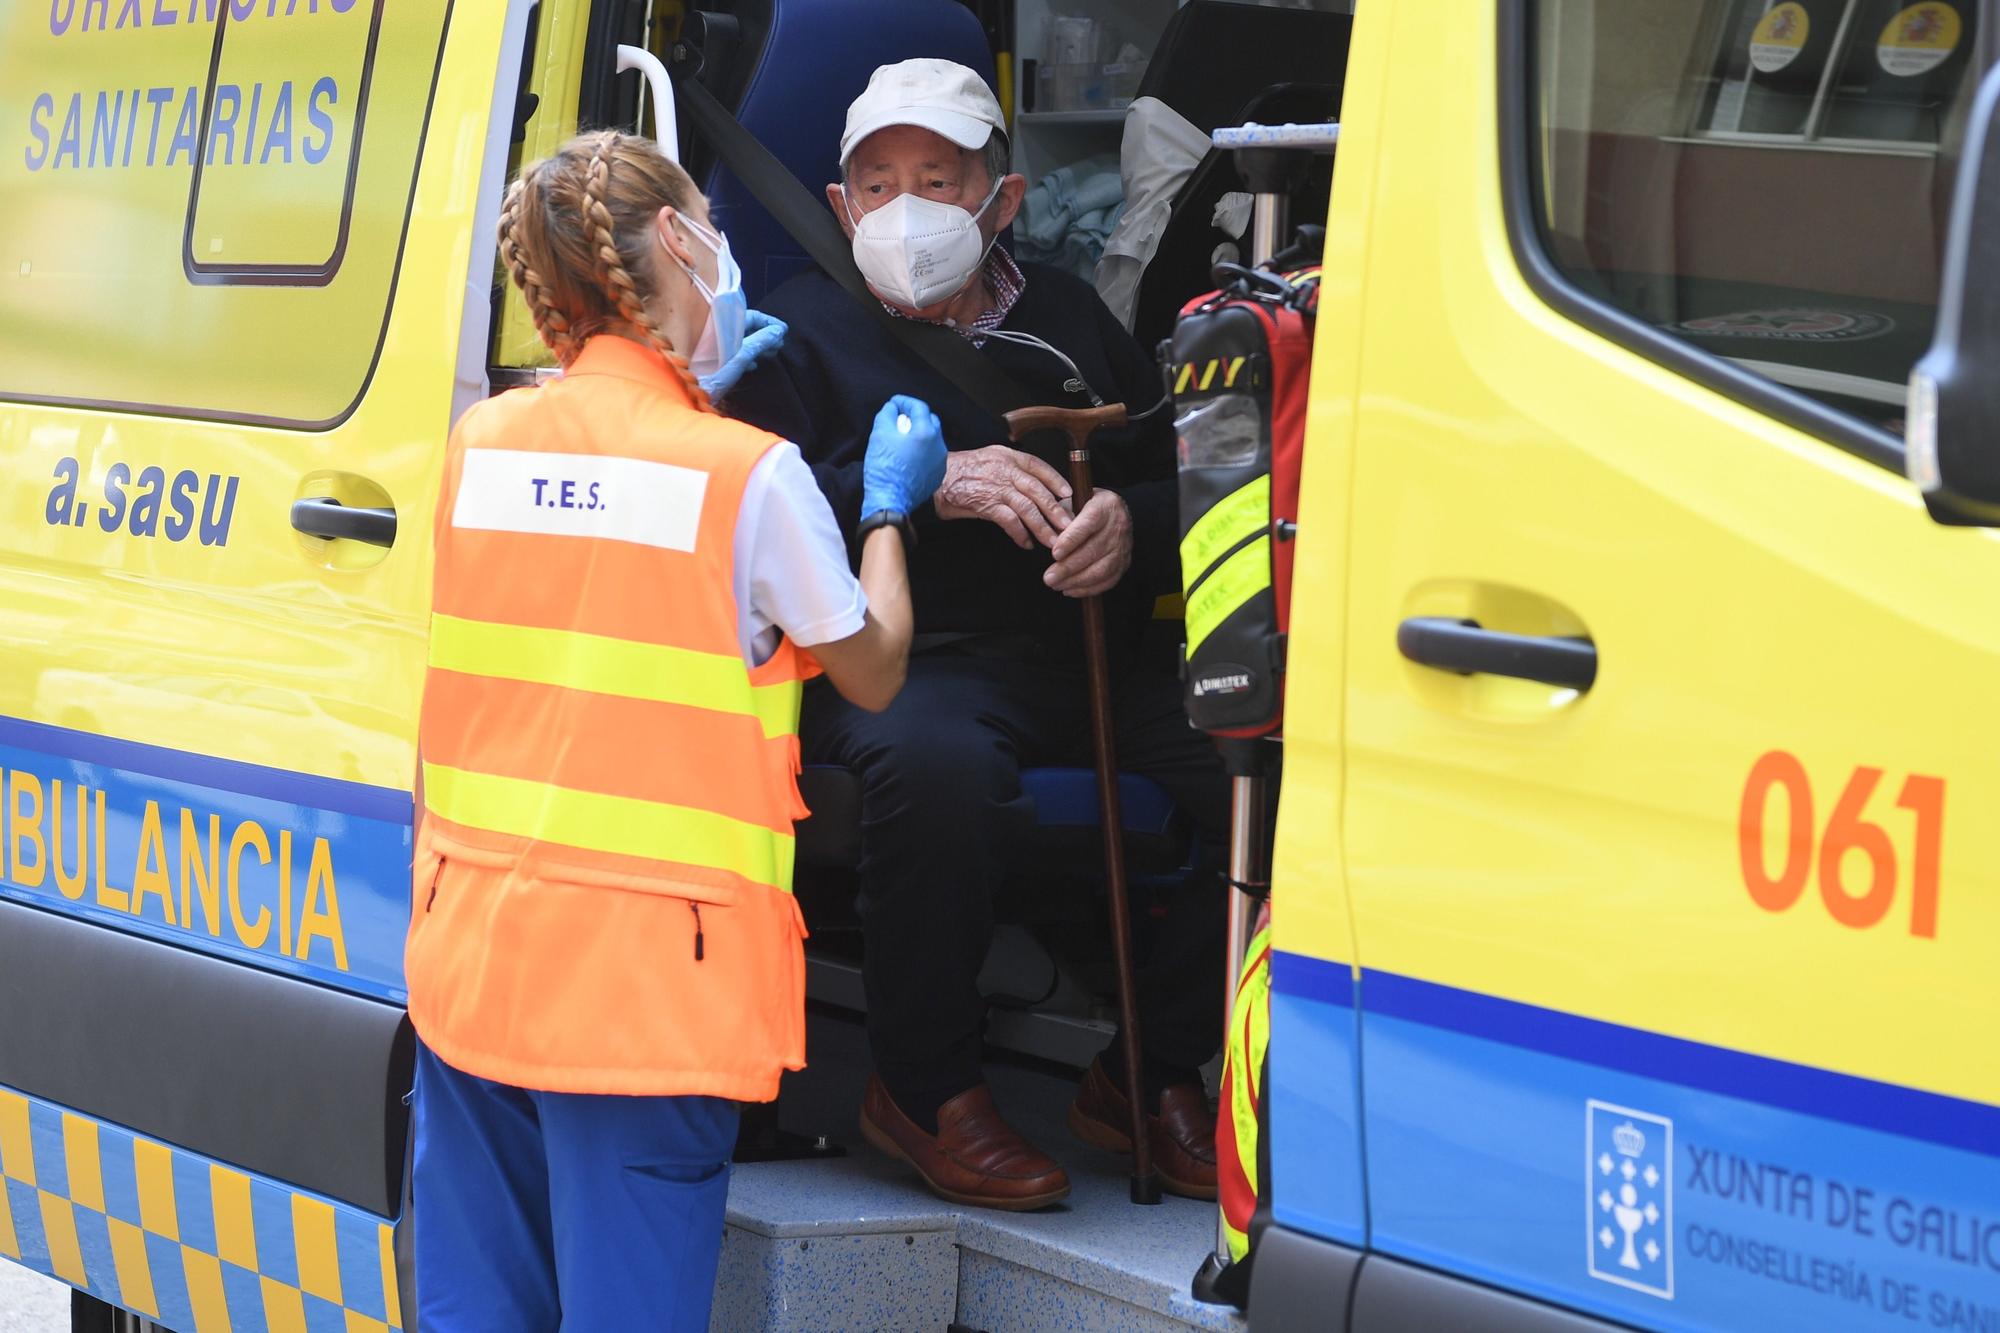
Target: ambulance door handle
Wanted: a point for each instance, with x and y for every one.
(1468, 649)
(324, 516)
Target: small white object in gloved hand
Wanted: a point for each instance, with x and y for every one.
(905, 461)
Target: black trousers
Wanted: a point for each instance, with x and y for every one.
(943, 817)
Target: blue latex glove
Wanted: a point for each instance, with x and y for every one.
(903, 466)
(763, 335)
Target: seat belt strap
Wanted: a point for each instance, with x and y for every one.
(806, 220)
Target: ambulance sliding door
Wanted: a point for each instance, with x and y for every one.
(1669, 744)
(201, 249)
(234, 257)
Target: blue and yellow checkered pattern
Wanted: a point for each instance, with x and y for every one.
(185, 1241)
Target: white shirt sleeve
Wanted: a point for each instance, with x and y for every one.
(792, 574)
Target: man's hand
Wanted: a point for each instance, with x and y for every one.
(1095, 550)
(1018, 491)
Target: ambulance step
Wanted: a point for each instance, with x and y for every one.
(856, 1243)
(1089, 1268)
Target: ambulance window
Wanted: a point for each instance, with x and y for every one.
(230, 235)
(1765, 181)
(207, 200)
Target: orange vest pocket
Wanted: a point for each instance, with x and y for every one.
(637, 987)
(719, 894)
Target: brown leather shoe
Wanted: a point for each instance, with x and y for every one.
(975, 1158)
(1182, 1135)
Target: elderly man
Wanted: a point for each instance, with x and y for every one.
(996, 681)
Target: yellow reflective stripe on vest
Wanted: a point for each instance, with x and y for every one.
(1238, 579)
(570, 660)
(1236, 517)
(618, 825)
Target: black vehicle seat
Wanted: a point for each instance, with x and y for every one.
(799, 64)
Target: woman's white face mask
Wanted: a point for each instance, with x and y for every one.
(917, 251)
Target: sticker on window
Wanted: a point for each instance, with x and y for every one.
(1792, 324)
(1779, 38)
(1919, 39)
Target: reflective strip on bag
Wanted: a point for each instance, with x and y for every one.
(613, 825)
(1240, 577)
(590, 662)
(1249, 1037)
(1239, 1242)
(1236, 518)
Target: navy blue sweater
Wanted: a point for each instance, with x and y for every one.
(838, 366)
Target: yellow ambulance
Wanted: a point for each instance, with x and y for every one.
(1665, 1002)
(1662, 996)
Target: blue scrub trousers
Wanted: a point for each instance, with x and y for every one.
(539, 1211)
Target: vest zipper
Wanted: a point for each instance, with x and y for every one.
(436, 875)
(696, 908)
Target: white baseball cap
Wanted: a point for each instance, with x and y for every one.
(938, 95)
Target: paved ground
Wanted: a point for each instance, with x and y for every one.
(31, 1303)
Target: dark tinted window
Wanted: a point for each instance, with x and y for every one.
(1769, 181)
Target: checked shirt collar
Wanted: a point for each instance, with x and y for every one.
(1007, 282)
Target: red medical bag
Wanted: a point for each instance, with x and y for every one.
(1239, 363)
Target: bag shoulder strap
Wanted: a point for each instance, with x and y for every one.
(806, 221)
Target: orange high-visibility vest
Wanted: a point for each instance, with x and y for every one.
(604, 864)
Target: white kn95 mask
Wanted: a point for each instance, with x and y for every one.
(918, 252)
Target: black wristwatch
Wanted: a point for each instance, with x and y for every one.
(887, 518)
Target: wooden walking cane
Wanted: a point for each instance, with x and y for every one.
(1079, 425)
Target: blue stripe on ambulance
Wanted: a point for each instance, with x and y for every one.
(1313, 1089)
(290, 872)
(1950, 1121)
(1498, 1134)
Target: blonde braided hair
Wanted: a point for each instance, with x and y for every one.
(577, 237)
(550, 322)
(613, 278)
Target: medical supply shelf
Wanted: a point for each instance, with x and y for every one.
(1090, 117)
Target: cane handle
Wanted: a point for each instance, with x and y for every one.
(1079, 424)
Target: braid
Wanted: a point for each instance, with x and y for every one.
(550, 322)
(612, 275)
(581, 246)
(696, 394)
